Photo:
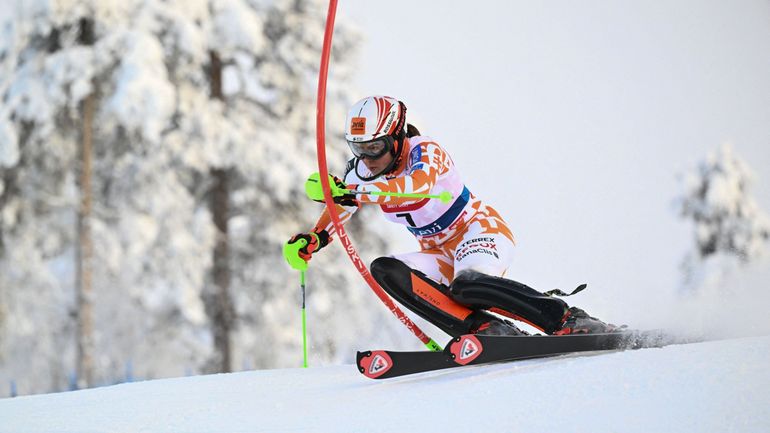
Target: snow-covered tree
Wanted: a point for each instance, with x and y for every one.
(728, 226)
(164, 132)
(121, 70)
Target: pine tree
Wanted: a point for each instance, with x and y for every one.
(727, 221)
(42, 88)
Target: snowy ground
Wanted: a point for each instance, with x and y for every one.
(720, 386)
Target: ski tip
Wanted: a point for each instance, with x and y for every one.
(374, 364)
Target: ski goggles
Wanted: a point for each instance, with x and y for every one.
(373, 149)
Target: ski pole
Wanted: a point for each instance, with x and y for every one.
(315, 192)
(304, 320)
(444, 196)
(290, 252)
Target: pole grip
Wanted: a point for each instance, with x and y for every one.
(291, 254)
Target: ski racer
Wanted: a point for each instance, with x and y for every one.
(456, 278)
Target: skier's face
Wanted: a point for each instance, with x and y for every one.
(379, 164)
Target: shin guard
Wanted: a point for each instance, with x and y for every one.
(425, 297)
(509, 298)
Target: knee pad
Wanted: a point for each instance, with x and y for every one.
(520, 301)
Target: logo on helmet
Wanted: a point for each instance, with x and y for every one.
(389, 123)
(358, 126)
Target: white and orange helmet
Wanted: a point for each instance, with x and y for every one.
(375, 126)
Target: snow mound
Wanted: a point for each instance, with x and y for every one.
(718, 386)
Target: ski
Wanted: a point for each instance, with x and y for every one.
(481, 349)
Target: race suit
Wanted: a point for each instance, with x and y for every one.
(462, 234)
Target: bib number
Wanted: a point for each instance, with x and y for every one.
(408, 218)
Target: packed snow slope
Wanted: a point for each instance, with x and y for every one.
(717, 386)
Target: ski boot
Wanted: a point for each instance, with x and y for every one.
(577, 321)
(497, 327)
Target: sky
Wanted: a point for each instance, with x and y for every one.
(576, 119)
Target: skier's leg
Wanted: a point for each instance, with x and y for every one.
(486, 246)
(424, 296)
(482, 251)
(482, 257)
(509, 298)
(521, 302)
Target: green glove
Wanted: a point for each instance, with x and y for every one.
(315, 192)
(300, 248)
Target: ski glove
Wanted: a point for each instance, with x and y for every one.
(300, 248)
(339, 191)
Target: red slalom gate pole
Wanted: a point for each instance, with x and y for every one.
(330, 205)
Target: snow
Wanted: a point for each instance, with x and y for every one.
(237, 26)
(9, 149)
(718, 386)
(143, 99)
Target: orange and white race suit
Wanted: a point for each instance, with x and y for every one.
(462, 234)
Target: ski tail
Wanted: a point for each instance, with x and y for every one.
(383, 364)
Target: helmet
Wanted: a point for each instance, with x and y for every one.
(374, 117)
(375, 126)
